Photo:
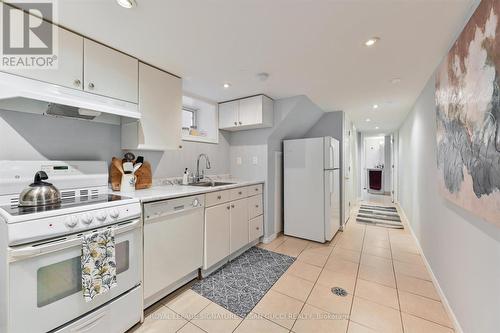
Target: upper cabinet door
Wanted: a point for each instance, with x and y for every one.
(110, 73)
(160, 104)
(250, 111)
(228, 114)
(69, 72)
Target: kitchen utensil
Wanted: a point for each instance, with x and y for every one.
(128, 163)
(118, 164)
(128, 183)
(115, 174)
(144, 176)
(129, 156)
(136, 167)
(139, 159)
(40, 193)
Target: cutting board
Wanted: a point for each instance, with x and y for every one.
(115, 176)
(144, 176)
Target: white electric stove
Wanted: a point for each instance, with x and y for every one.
(40, 249)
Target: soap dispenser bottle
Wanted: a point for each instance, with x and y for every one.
(185, 177)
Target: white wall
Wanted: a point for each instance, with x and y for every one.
(462, 249)
(293, 117)
(27, 136)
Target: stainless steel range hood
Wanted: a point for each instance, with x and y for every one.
(32, 96)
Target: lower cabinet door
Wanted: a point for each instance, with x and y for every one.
(239, 224)
(256, 228)
(217, 220)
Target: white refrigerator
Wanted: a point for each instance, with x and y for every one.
(312, 188)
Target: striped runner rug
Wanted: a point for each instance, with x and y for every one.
(383, 216)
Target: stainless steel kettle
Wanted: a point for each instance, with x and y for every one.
(40, 193)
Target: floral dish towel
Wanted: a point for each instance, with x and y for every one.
(98, 263)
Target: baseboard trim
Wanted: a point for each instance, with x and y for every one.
(444, 300)
(269, 239)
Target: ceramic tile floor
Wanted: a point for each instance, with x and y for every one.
(389, 290)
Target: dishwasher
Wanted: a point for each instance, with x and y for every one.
(173, 245)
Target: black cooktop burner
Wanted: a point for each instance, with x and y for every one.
(65, 203)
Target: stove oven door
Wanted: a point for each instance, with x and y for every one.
(45, 288)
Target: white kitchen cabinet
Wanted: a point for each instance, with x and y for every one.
(255, 206)
(246, 113)
(239, 224)
(255, 228)
(160, 105)
(217, 229)
(109, 73)
(228, 114)
(69, 71)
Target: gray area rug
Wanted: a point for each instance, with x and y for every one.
(240, 284)
(383, 216)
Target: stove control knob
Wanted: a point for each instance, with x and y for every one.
(72, 221)
(114, 213)
(87, 219)
(101, 216)
(196, 203)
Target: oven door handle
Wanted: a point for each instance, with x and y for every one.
(29, 251)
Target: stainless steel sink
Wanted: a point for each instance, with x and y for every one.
(210, 184)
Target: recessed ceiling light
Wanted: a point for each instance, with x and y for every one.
(396, 80)
(372, 41)
(376, 127)
(368, 120)
(127, 3)
(375, 106)
(226, 85)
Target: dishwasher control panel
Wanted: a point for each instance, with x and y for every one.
(168, 207)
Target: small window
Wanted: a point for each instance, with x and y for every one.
(188, 117)
(199, 120)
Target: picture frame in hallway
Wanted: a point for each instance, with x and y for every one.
(468, 116)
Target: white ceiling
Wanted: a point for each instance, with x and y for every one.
(309, 47)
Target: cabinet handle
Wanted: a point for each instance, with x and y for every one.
(257, 228)
(235, 123)
(91, 85)
(240, 193)
(228, 207)
(256, 206)
(256, 190)
(232, 206)
(77, 83)
(219, 197)
(240, 123)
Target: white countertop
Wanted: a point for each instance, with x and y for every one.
(163, 192)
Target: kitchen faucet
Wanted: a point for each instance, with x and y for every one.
(199, 176)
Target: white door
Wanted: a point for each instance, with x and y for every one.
(239, 224)
(69, 72)
(216, 248)
(250, 112)
(110, 73)
(228, 114)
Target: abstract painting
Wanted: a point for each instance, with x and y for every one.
(468, 116)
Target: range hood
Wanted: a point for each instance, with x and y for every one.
(27, 95)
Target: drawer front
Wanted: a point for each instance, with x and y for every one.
(254, 189)
(238, 193)
(216, 198)
(256, 228)
(255, 206)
